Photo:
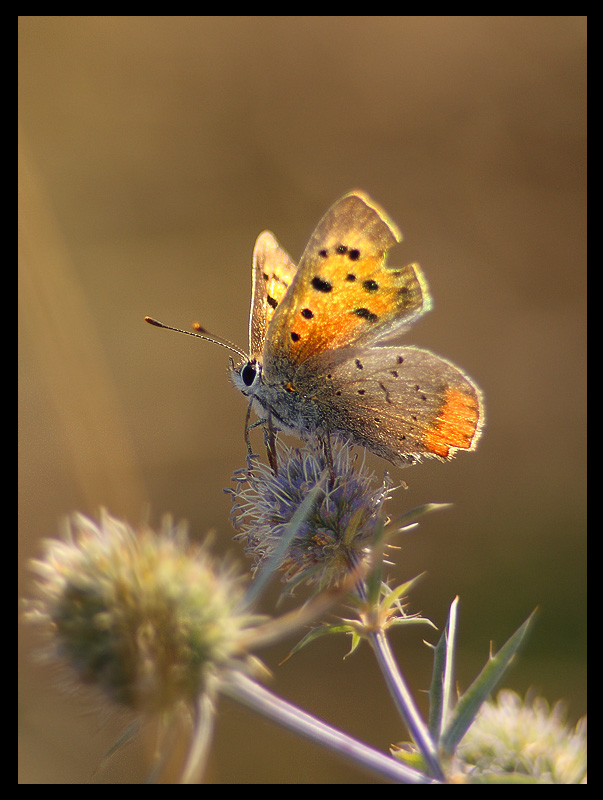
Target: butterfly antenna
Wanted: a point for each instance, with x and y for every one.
(200, 333)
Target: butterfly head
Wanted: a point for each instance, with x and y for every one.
(246, 376)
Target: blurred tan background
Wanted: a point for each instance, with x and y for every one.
(153, 150)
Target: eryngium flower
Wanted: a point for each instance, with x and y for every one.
(146, 618)
(524, 743)
(335, 534)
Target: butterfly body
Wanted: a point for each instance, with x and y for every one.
(316, 363)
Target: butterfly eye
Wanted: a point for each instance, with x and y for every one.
(249, 372)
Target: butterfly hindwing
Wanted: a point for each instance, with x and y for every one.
(400, 402)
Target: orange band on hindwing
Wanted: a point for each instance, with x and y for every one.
(456, 425)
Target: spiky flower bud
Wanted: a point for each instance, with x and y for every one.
(516, 742)
(334, 536)
(147, 618)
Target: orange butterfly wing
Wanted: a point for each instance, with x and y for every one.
(343, 293)
(273, 273)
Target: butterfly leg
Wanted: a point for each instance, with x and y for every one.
(248, 427)
(269, 436)
(270, 441)
(326, 443)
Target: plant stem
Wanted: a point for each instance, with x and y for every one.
(405, 702)
(256, 697)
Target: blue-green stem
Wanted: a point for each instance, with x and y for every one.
(401, 695)
(256, 697)
(198, 753)
(405, 702)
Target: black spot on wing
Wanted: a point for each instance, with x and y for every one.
(364, 313)
(321, 285)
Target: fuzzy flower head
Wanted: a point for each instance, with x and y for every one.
(513, 741)
(146, 618)
(335, 534)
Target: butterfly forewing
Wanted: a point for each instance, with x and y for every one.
(343, 293)
(273, 273)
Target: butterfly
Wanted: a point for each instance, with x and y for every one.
(316, 364)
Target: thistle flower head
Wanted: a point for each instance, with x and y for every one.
(334, 536)
(513, 739)
(146, 618)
